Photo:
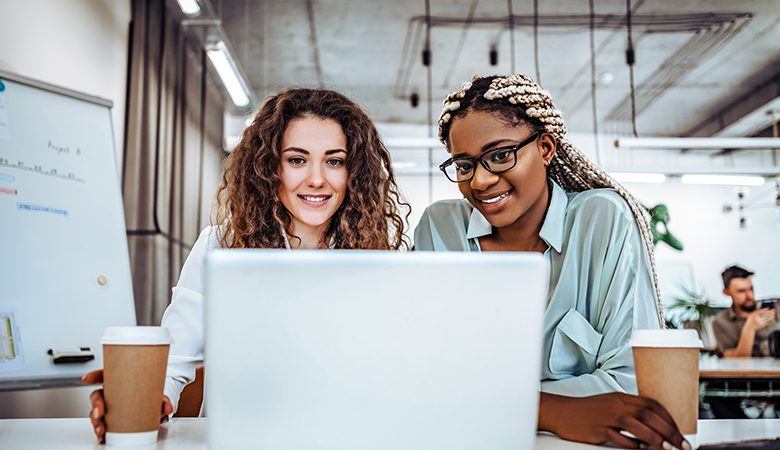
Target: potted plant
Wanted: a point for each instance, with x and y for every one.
(694, 310)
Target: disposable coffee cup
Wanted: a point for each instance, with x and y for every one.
(667, 371)
(134, 364)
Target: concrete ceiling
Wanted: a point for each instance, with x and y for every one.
(697, 62)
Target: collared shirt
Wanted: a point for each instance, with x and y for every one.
(601, 286)
(727, 327)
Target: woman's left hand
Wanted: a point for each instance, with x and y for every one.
(603, 418)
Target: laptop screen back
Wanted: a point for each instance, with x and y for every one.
(373, 350)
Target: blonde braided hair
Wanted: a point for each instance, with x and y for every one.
(520, 99)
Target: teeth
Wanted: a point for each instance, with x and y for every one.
(314, 199)
(495, 199)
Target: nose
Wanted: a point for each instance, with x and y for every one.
(314, 177)
(482, 178)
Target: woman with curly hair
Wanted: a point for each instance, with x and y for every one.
(527, 188)
(310, 172)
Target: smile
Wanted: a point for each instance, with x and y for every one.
(495, 199)
(314, 200)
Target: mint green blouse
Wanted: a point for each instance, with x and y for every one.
(600, 289)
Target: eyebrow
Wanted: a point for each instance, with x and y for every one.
(306, 152)
(484, 147)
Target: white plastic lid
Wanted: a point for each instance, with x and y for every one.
(666, 338)
(136, 336)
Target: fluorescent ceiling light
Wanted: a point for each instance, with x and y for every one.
(189, 7)
(698, 143)
(404, 165)
(228, 73)
(633, 177)
(729, 180)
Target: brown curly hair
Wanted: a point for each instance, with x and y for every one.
(249, 210)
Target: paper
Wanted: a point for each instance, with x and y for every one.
(11, 356)
(5, 127)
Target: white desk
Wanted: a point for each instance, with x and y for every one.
(190, 434)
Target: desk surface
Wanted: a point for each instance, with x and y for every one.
(190, 434)
(714, 367)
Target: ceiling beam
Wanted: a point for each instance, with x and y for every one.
(762, 90)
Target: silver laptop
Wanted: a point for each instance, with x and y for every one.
(373, 350)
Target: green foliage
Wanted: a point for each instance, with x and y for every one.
(691, 306)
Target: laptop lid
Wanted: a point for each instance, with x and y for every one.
(373, 350)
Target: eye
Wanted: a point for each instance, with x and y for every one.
(463, 166)
(335, 162)
(500, 155)
(296, 161)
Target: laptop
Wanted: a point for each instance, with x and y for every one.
(373, 350)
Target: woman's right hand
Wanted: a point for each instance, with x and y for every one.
(98, 411)
(628, 421)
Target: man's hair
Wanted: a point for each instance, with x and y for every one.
(734, 272)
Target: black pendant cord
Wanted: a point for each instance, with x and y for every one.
(511, 34)
(428, 62)
(630, 60)
(592, 11)
(536, 42)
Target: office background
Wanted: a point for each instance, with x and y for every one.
(703, 69)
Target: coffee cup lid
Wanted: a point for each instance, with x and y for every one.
(136, 336)
(666, 338)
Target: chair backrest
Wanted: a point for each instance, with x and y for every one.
(191, 397)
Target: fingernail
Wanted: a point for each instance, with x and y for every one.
(94, 413)
(686, 445)
(667, 446)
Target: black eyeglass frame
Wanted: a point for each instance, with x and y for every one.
(513, 149)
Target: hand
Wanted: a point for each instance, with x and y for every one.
(98, 411)
(760, 318)
(599, 419)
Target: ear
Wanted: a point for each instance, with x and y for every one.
(727, 292)
(547, 148)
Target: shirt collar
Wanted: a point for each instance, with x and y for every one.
(552, 228)
(733, 314)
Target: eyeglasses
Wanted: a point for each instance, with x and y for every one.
(497, 160)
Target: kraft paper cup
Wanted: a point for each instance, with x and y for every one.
(134, 364)
(667, 370)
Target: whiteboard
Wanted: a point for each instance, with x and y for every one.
(64, 265)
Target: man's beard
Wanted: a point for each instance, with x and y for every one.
(747, 308)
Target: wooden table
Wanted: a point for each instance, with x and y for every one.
(712, 367)
(756, 378)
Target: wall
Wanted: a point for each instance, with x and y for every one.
(77, 44)
(80, 45)
(713, 240)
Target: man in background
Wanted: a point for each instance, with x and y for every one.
(743, 329)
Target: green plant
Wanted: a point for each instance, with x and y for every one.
(691, 306)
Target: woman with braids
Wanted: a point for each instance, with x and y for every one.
(529, 189)
(310, 172)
